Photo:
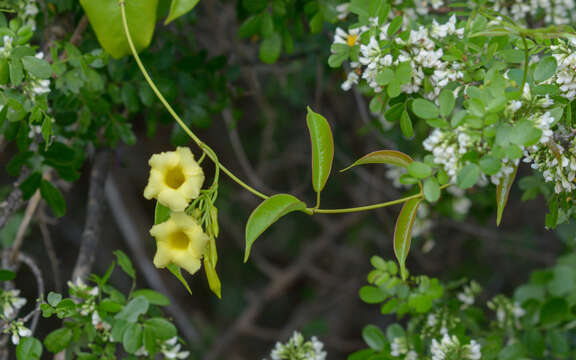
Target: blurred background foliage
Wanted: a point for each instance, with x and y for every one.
(241, 74)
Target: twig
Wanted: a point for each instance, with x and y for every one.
(240, 153)
(13, 202)
(40, 284)
(48, 244)
(279, 284)
(28, 214)
(80, 28)
(94, 212)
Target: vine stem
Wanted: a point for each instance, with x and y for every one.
(207, 150)
(369, 207)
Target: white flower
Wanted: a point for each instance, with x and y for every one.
(351, 79)
(349, 38)
(343, 10)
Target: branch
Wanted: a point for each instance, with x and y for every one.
(95, 210)
(13, 202)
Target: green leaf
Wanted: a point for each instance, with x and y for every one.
(37, 67)
(161, 213)
(390, 157)
(385, 76)
(394, 88)
(406, 125)
(425, 109)
(153, 297)
(431, 189)
(490, 165)
(16, 71)
(404, 73)
(58, 340)
(125, 263)
(132, 338)
(177, 272)
(372, 294)
(419, 169)
(403, 232)
(554, 311)
(162, 328)
(179, 8)
(468, 176)
(53, 197)
(545, 68)
(212, 277)
(30, 185)
(133, 310)
(502, 193)
(322, 149)
(270, 48)
(374, 337)
(7, 275)
(54, 298)
(447, 102)
(266, 214)
(29, 348)
(106, 20)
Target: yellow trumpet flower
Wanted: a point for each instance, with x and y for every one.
(175, 178)
(181, 241)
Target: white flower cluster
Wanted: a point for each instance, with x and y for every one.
(468, 294)
(170, 349)
(508, 312)
(400, 348)
(450, 346)
(556, 162)
(27, 11)
(11, 303)
(552, 12)
(18, 330)
(448, 147)
(298, 349)
(565, 75)
(85, 296)
(422, 50)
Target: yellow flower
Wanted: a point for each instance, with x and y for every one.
(175, 178)
(181, 241)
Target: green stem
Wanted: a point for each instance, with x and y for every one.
(205, 148)
(526, 63)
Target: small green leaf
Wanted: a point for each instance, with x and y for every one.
(37, 67)
(162, 328)
(406, 125)
(133, 310)
(425, 109)
(29, 348)
(468, 176)
(502, 193)
(266, 214)
(322, 149)
(54, 298)
(270, 48)
(447, 102)
(30, 185)
(403, 232)
(545, 68)
(53, 197)
(106, 20)
(394, 88)
(384, 77)
(179, 8)
(431, 189)
(161, 213)
(177, 272)
(374, 337)
(390, 157)
(125, 263)
(7, 275)
(490, 165)
(132, 338)
(16, 71)
(419, 169)
(212, 276)
(58, 340)
(372, 294)
(153, 297)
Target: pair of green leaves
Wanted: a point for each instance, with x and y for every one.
(275, 207)
(106, 19)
